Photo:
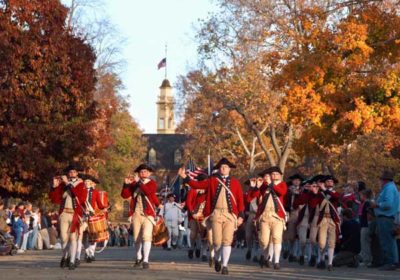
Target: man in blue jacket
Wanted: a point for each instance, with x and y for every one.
(386, 207)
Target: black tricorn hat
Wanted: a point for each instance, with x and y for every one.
(89, 177)
(330, 177)
(265, 171)
(144, 166)
(73, 166)
(275, 169)
(224, 161)
(296, 176)
(318, 178)
(170, 195)
(387, 175)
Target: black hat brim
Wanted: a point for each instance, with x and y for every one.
(144, 166)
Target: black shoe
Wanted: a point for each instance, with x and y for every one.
(77, 262)
(146, 265)
(174, 246)
(93, 259)
(255, 259)
(268, 264)
(71, 266)
(197, 253)
(277, 266)
(292, 258)
(63, 263)
(330, 267)
(321, 265)
(285, 254)
(204, 258)
(88, 259)
(138, 263)
(217, 266)
(262, 261)
(248, 255)
(169, 249)
(190, 254)
(301, 260)
(355, 263)
(225, 270)
(313, 261)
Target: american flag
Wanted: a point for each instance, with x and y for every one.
(193, 171)
(162, 63)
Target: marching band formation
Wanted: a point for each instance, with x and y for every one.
(298, 220)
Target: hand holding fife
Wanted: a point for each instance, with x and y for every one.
(128, 180)
(64, 179)
(182, 172)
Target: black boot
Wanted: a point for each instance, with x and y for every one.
(146, 265)
(313, 261)
(321, 265)
(248, 255)
(225, 270)
(137, 263)
(190, 254)
(63, 262)
(197, 253)
(88, 259)
(77, 262)
(71, 266)
(217, 266)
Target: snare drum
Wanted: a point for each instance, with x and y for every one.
(98, 230)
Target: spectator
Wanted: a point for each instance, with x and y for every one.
(350, 241)
(173, 217)
(4, 228)
(43, 236)
(365, 197)
(386, 208)
(374, 240)
(33, 228)
(18, 229)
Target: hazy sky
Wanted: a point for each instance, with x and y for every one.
(148, 25)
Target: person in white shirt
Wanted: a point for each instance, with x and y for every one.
(173, 216)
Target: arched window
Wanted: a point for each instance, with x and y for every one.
(177, 157)
(152, 157)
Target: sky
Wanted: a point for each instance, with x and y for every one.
(148, 25)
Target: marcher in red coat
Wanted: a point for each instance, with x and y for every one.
(224, 207)
(144, 202)
(195, 203)
(271, 215)
(70, 193)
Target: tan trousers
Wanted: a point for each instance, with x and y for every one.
(142, 228)
(271, 225)
(326, 233)
(223, 226)
(196, 230)
(65, 227)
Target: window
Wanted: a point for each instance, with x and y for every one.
(152, 157)
(161, 123)
(177, 157)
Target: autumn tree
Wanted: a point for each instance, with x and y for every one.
(47, 82)
(331, 68)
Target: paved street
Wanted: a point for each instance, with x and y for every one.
(115, 263)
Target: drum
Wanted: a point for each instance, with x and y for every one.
(97, 227)
(160, 232)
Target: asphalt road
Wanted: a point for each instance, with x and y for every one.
(116, 263)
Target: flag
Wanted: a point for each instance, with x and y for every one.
(162, 63)
(192, 171)
(176, 188)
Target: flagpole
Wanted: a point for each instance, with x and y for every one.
(166, 64)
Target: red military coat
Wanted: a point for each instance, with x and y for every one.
(78, 193)
(310, 201)
(211, 186)
(193, 201)
(261, 195)
(95, 200)
(146, 190)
